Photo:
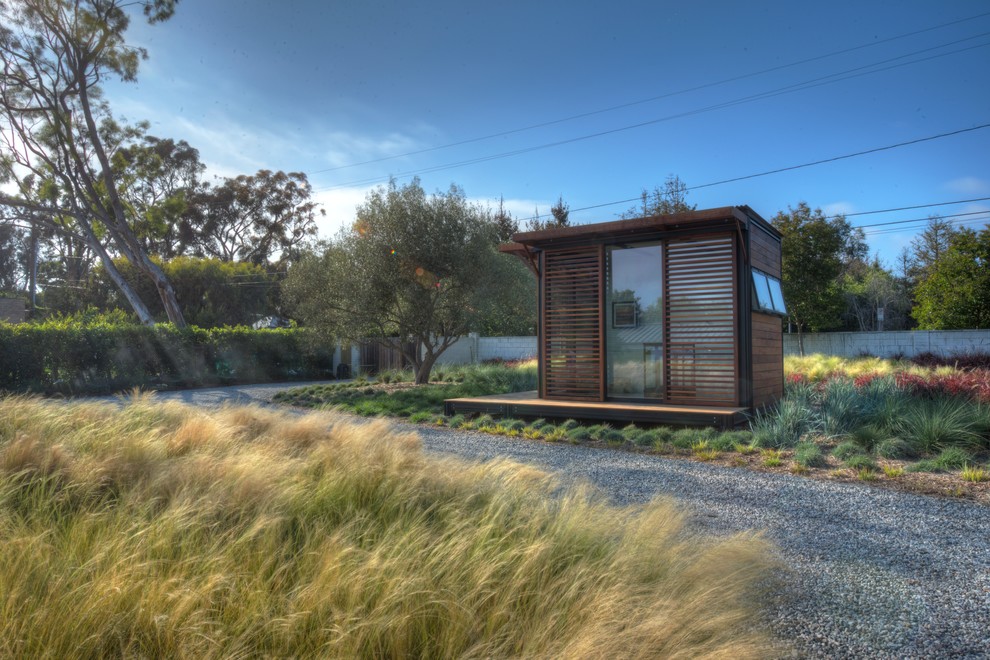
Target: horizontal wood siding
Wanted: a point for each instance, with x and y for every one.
(700, 307)
(768, 359)
(764, 251)
(572, 339)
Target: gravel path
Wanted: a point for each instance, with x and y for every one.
(873, 573)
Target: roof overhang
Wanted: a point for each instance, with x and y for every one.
(524, 253)
(741, 216)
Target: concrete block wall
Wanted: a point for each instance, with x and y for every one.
(506, 348)
(885, 344)
(463, 351)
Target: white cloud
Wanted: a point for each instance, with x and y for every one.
(839, 208)
(340, 205)
(341, 149)
(969, 185)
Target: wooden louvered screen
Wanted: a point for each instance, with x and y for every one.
(572, 336)
(700, 324)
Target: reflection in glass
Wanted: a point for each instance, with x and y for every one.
(778, 295)
(634, 327)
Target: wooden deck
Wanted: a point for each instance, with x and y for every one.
(527, 404)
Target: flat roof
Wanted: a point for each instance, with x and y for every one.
(642, 225)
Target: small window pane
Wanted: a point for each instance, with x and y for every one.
(778, 295)
(763, 298)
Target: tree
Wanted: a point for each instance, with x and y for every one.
(956, 293)
(159, 176)
(812, 249)
(407, 275)
(559, 217)
(662, 200)
(251, 218)
(11, 242)
(929, 246)
(873, 293)
(216, 293)
(505, 225)
(61, 136)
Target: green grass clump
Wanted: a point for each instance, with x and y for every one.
(420, 417)
(612, 437)
(953, 458)
(569, 424)
(847, 449)
(772, 458)
(514, 424)
(577, 434)
(687, 438)
(538, 423)
(931, 425)
(456, 421)
(782, 427)
(860, 462)
(809, 455)
(159, 530)
(894, 448)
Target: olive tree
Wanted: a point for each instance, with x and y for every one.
(409, 274)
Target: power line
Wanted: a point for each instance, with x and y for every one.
(902, 222)
(911, 208)
(787, 89)
(659, 97)
(796, 167)
(844, 157)
(957, 223)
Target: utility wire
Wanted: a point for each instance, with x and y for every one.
(659, 97)
(787, 89)
(796, 167)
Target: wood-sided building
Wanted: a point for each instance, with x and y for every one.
(664, 319)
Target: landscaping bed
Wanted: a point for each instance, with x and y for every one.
(921, 426)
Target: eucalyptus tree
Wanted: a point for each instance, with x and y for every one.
(62, 141)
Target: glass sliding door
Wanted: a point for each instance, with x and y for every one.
(634, 322)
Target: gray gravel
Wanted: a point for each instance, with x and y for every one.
(873, 573)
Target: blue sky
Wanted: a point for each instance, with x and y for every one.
(318, 87)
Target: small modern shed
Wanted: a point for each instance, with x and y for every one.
(666, 319)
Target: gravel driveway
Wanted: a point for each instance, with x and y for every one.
(874, 573)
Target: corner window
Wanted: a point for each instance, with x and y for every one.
(768, 297)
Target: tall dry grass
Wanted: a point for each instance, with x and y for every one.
(817, 367)
(162, 530)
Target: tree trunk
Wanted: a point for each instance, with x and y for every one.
(33, 268)
(144, 316)
(424, 369)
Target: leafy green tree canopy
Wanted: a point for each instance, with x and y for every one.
(956, 293)
(812, 248)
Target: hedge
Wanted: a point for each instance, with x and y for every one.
(54, 359)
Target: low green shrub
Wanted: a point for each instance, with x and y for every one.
(420, 417)
(569, 424)
(66, 357)
(455, 421)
